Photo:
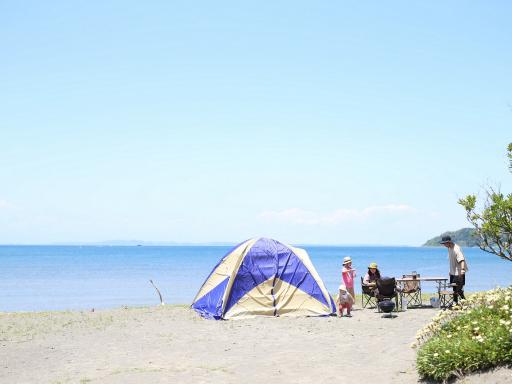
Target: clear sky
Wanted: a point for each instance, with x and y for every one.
(308, 122)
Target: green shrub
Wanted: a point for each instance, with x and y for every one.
(475, 335)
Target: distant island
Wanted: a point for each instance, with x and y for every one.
(465, 237)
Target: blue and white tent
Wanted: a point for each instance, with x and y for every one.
(263, 277)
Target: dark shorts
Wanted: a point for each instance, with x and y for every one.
(459, 280)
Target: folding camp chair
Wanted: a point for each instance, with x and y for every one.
(368, 298)
(446, 295)
(387, 291)
(411, 290)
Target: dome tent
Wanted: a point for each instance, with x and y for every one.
(263, 277)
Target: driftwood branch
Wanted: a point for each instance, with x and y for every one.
(158, 291)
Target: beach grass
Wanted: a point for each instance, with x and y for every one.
(25, 326)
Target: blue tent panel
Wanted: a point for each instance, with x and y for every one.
(210, 305)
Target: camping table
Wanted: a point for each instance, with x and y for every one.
(440, 281)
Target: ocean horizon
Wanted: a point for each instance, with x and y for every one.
(82, 277)
(133, 243)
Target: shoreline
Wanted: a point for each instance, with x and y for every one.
(425, 297)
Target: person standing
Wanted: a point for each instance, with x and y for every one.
(348, 275)
(345, 301)
(458, 267)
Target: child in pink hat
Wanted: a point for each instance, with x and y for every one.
(348, 274)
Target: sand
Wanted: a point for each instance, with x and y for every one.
(171, 344)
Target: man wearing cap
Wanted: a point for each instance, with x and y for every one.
(458, 267)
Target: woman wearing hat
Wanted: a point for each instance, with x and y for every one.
(372, 276)
(348, 274)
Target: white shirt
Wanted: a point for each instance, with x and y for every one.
(345, 298)
(455, 256)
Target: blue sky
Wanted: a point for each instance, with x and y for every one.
(329, 123)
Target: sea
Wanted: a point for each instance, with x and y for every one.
(42, 278)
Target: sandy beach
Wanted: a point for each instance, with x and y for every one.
(171, 344)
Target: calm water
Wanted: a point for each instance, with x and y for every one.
(73, 277)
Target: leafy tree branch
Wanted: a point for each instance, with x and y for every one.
(493, 223)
